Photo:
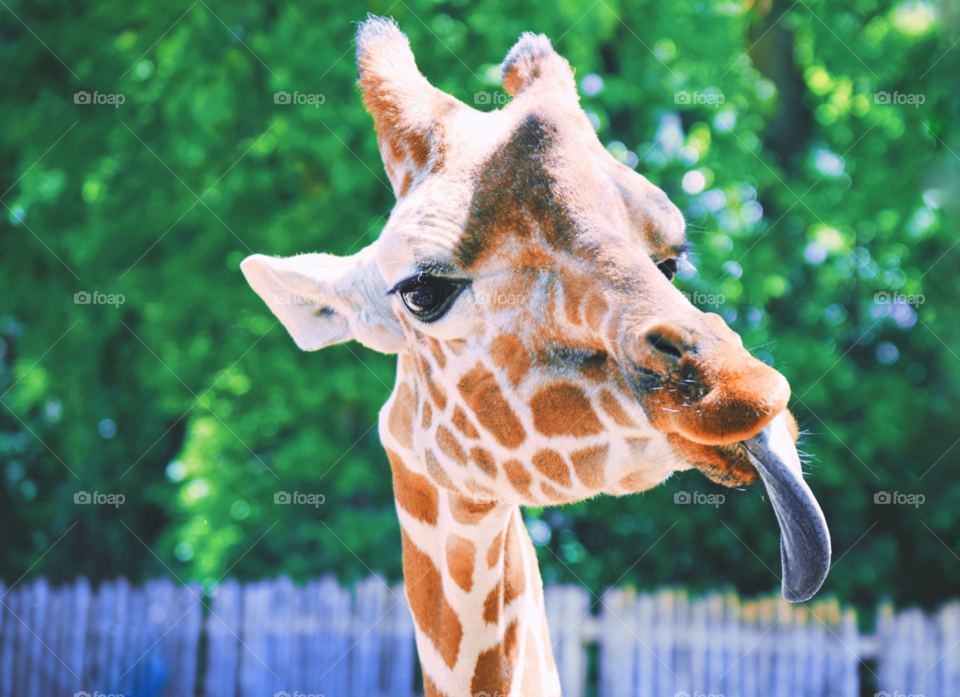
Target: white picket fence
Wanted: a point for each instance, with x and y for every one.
(258, 639)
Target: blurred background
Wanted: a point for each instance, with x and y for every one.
(812, 147)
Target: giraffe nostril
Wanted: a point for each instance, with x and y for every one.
(660, 343)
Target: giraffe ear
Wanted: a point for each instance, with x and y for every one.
(532, 63)
(323, 299)
(407, 110)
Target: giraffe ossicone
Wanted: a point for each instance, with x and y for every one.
(544, 356)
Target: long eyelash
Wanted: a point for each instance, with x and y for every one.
(412, 279)
(403, 283)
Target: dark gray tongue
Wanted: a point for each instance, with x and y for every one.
(804, 537)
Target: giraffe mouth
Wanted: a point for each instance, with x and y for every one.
(804, 537)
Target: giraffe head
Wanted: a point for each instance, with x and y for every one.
(524, 280)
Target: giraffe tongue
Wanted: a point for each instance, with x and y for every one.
(804, 537)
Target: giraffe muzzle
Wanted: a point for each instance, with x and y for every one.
(804, 538)
(701, 383)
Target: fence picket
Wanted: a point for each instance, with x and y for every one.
(223, 627)
(645, 681)
(397, 676)
(949, 620)
(715, 644)
(6, 648)
(733, 644)
(616, 664)
(697, 647)
(749, 637)
(781, 649)
(817, 650)
(76, 618)
(663, 651)
(24, 598)
(51, 636)
(568, 607)
(850, 641)
(36, 618)
(365, 653)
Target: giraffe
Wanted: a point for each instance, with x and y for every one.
(523, 280)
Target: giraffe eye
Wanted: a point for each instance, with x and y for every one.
(428, 297)
(669, 268)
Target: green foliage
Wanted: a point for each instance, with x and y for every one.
(216, 410)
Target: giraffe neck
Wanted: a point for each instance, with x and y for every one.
(472, 582)
(477, 599)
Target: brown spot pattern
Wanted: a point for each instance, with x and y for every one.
(550, 464)
(564, 410)
(431, 690)
(462, 423)
(436, 471)
(484, 461)
(491, 606)
(407, 181)
(414, 492)
(436, 392)
(449, 446)
(427, 415)
(429, 605)
(588, 464)
(461, 554)
(612, 406)
(514, 579)
(509, 354)
(552, 493)
(493, 554)
(476, 487)
(467, 511)
(437, 352)
(401, 415)
(482, 394)
(518, 476)
(494, 670)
